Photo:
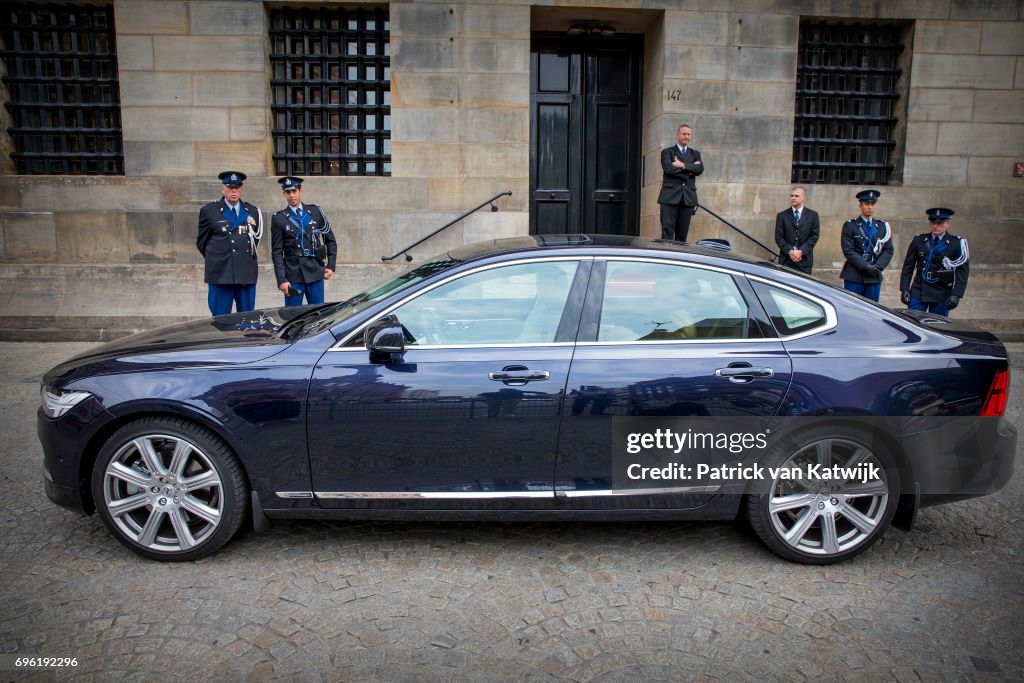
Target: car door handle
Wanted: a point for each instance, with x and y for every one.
(528, 376)
(743, 373)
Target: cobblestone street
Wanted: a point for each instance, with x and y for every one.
(488, 601)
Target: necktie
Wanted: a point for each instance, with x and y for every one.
(796, 216)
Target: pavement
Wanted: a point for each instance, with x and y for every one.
(370, 601)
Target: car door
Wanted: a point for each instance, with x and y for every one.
(467, 417)
(662, 339)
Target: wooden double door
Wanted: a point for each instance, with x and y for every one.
(585, 119)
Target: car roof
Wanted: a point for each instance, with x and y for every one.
(590, 244)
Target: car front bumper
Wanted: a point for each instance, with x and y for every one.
(66, 496)
(65, 441)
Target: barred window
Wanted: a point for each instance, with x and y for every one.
(62, 91)
(331, 91)
(846, 96)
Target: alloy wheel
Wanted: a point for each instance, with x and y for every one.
(829, 517)
(163, 493)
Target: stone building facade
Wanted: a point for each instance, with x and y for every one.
(94, 255)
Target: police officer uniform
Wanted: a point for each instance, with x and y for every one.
(227, 238)
(867, 246)
(303, 246)
(935, 271)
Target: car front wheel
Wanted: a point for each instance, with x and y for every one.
(814, 520)
(169, 489)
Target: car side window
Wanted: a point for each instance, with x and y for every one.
(790, 312)
(662, 301)
(516, 304)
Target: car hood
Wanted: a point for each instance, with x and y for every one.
(232, 339)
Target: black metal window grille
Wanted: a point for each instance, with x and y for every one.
(331, 91)
(62, 89)
(845, 102)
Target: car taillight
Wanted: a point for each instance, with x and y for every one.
(995, 402)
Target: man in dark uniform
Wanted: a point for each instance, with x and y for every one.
(229, 232)
(796, 232)
(867, 245)
(678, 197)
(936, 268)
(303, 247)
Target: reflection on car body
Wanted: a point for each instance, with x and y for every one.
(488, 381)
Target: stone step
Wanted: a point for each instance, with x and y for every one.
(75, 302)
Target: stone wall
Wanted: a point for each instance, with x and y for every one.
(735, 71)
(194, 78)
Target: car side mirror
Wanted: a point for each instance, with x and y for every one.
(384, 339)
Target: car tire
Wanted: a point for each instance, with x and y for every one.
(821, 521)
(169, 489)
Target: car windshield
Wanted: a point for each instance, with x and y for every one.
(323, 318)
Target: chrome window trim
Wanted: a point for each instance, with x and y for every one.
(831, 318)
(670, 261)
(673, 342)
(338, 346)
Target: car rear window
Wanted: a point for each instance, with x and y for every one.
(790, 313)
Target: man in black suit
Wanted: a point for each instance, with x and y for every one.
(678, 198)
(228, 234)
(796, 232)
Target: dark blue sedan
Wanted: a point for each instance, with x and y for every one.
(538, 378)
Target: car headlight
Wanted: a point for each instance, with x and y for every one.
(57, 403)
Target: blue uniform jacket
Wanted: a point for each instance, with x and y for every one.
(930, 280)
(229, 246)
(856, 244)
(291, 244)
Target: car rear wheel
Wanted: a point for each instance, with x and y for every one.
(169, 489)
(814, 520)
